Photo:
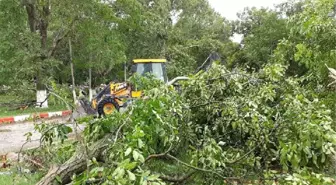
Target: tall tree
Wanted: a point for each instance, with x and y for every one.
(310, 47)
(35, 43)
(16, 48)
(106, 34)
(197, 32)
(38, 15)
(262, 29)
(311, 40)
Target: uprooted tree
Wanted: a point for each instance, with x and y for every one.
(221, 126)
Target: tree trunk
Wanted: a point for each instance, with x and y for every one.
(63, 173)
(39, 20)
(41, 98)
(30, 8)
(72, 73)
(76, 164)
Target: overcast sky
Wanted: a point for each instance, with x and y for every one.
(229, 9)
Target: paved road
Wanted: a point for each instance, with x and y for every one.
(12, 135)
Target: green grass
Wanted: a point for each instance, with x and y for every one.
(4, 111)
(12, 103)
(16, 179)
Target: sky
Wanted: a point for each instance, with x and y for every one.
(229, 9)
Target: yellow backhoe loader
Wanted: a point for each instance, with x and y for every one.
(116, 95)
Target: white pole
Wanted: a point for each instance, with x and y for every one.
(72, 72)
(125, 71)
(90, 85)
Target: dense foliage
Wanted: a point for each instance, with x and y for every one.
(104, 36)
(263, 114)
(226, 125)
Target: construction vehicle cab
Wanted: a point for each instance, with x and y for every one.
(156, 67)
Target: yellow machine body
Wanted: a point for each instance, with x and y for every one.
(114, 96)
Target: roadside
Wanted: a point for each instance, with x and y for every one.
(34, 116)
(12, 139)
(5, 111)
(11, 105)
(12, 136)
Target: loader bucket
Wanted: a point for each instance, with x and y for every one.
(83, 108)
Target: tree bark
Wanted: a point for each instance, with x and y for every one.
(76, 164)
(30, 8)
(177, 179)
(39, 20)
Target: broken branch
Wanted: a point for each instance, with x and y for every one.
(59, 38)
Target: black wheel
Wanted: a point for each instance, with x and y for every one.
(107, 106)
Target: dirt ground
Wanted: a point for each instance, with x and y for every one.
(12, 135)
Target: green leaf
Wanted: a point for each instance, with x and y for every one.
(58, 178)
(145, 182)
(131, 175)
(128, 151)
(135, 155)
(323, 158)
(141, 158)
(153, 177)
(140, 143)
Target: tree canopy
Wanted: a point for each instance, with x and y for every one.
(263, 113)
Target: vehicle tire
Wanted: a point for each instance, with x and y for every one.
(107, 106)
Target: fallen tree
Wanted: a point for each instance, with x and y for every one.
(76, 164)
(225, 125)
